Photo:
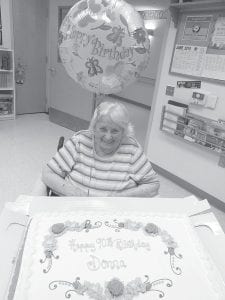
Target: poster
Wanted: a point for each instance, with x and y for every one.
(214, 66)
(200, 46)
(217, 40)
(197, 28)
(188, 59)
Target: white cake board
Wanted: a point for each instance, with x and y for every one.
(12, 232)
(189, 205)
(24, 207)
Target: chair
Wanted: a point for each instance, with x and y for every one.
(60, 142)
(39, 188)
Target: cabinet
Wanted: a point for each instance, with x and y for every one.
(7, 84)
(196, 3)
(178, 6)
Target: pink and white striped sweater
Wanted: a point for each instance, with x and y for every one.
(78, 163)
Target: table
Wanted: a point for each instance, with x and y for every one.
(16, 216)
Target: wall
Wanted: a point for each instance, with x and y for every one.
(142, 91)
(189, 162)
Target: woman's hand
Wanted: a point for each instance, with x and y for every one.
(142, 190)
(60, 186)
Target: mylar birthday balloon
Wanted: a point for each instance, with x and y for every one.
(103, 45)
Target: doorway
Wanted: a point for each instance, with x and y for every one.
(69, 104)
(30, 44)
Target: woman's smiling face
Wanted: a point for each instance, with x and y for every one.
(108, 136)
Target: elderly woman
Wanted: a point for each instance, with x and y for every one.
(105, 160)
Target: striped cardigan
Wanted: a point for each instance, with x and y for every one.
(78, 163)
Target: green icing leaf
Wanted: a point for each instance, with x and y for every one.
(105, 27)
(140, 50)
(111, 15)
(123, 20)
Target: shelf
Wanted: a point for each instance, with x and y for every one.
(5, 49)
(207, 5)
(194, 129)
(7, 117)
(7, 89)
(199, 5)
(6, 96)
(1, 70)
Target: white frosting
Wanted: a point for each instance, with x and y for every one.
(122, 259)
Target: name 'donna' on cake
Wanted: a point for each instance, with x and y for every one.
(97, 263)
(98, 48)
(102, 243)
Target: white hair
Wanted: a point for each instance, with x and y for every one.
(117, 112)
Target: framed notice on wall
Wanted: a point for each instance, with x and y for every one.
(199, 49)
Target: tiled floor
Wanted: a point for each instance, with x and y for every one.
(28, 142)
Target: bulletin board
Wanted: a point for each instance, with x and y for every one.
(199, 49)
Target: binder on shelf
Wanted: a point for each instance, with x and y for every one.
(6, 104)
(6, 107)
(5, 60)
(174, 117)
(5, 80)
(8, 96)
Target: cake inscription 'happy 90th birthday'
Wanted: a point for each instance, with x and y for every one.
(95, 262)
